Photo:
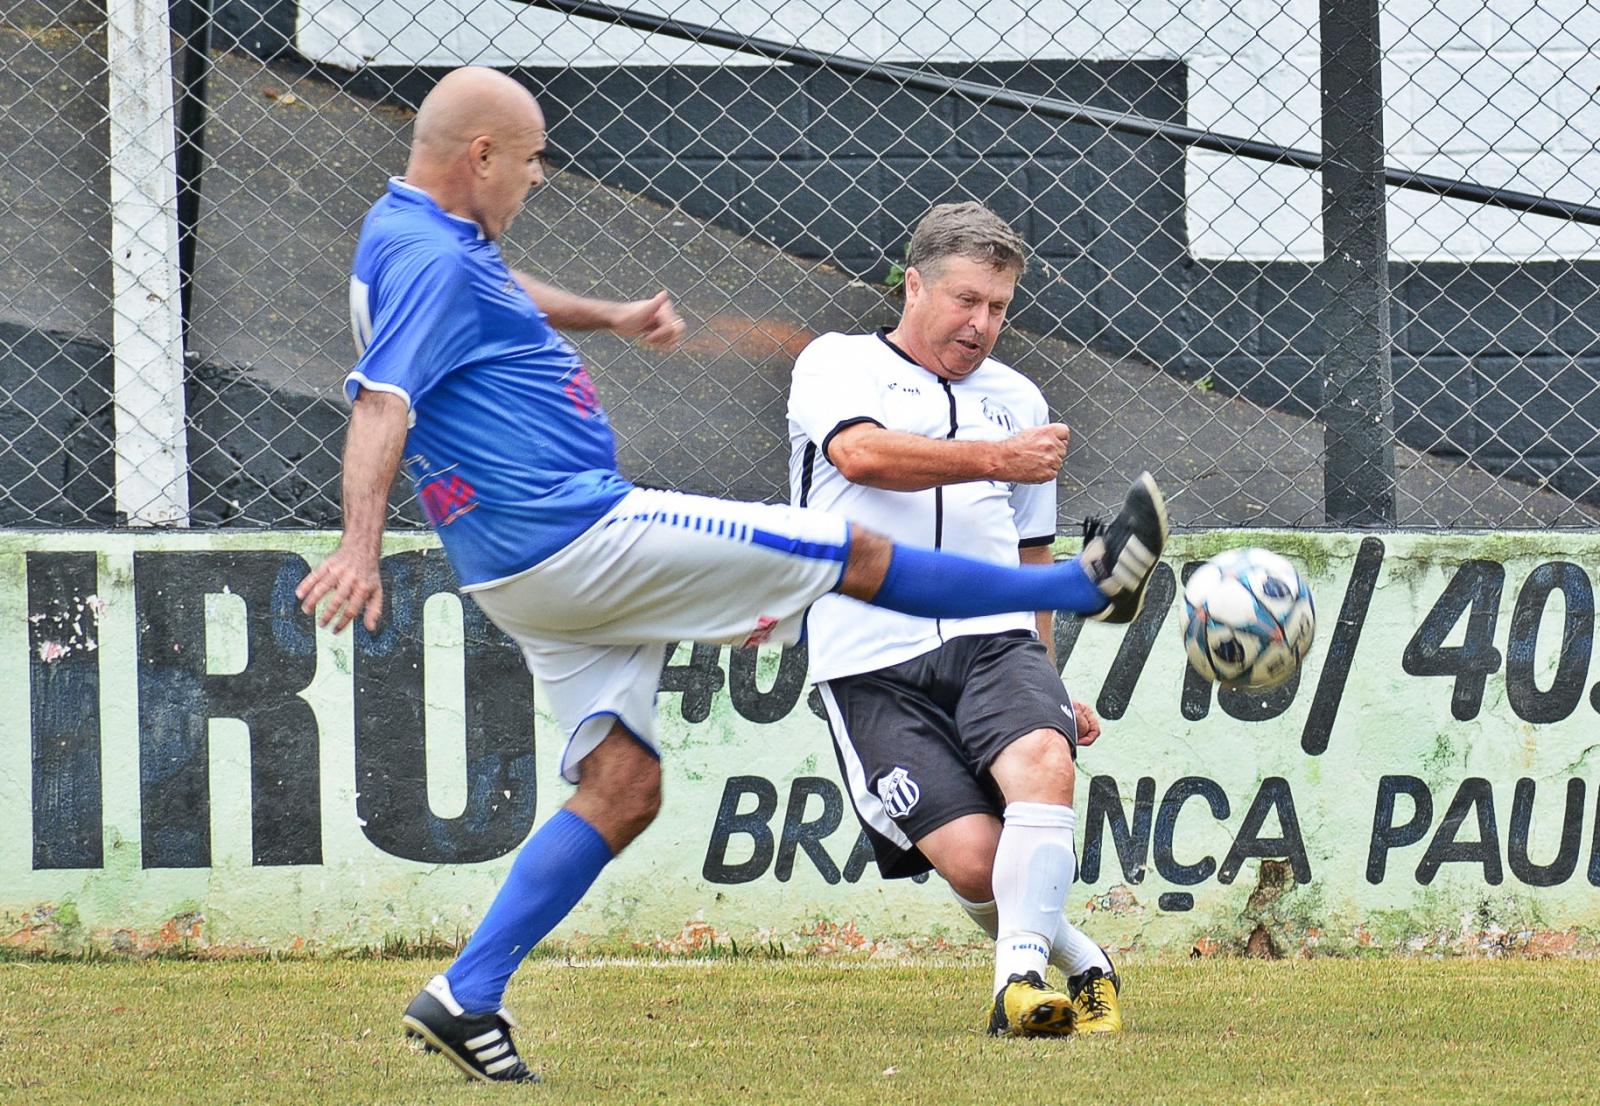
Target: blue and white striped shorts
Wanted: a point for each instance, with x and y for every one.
(594, 620)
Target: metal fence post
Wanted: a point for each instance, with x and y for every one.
(1358, 479)
(191, 21)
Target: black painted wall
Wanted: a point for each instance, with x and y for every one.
(1494, 362)
(278, 465)
(1497, 362)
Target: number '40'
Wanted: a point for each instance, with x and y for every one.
(1474, 592)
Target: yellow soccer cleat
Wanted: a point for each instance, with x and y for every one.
(1096, 1001)
(1025, 1007)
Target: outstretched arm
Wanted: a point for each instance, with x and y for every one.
(900, 462)
(372, 449)
(653, 321)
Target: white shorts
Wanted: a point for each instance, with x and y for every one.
(594, 621)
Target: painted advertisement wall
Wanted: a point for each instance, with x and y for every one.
(184, 757)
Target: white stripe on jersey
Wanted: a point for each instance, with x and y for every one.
(360, 315)
(866, 801)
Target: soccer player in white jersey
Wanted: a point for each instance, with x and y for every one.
(463, 378)
(955, 737)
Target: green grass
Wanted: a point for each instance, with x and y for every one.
(814, 1032)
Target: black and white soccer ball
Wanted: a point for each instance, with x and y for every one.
(1248, 619)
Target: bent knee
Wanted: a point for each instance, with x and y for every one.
(1037, 767)
(971, 876)
(619, 787)
(633, 791)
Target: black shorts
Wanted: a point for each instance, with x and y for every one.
(915, 740)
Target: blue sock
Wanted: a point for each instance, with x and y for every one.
(550, 875)
(930, 584)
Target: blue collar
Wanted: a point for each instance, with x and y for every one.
(410, 193)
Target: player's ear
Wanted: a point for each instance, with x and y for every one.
(913, 282)
(478, 153)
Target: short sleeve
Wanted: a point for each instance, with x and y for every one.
(829, 391)
(421, 324)
(1033, 506)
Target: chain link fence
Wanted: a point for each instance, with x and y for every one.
(1210, 189)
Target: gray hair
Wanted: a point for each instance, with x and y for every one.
(967, 230)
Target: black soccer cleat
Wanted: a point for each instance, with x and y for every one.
(479, 1044)
(1120, 558)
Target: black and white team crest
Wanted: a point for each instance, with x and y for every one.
(899, 793)
(999, 414)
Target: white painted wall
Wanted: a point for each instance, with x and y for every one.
(1502, 92)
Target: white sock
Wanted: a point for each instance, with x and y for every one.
(983, 913)
(1072, 951)
(1033, 867)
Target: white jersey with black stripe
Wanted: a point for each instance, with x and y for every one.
(844, 379)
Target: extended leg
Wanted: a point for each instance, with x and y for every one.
(460, 1012)
(1105, 582)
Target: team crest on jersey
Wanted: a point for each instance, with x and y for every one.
(580, 390)
(446, 499)
(899, 792)
(999, 414)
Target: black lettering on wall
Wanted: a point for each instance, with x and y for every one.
(1577, 640)
(806, 835)
(1181, 791)
(766, 706)
(815, 704)
(178, 697)
(391, 727)
(64, 709)
(1064, 629)
(1195, 702)
(861, 855)
(1273, 795)
(1134, 652)
(699, 680)
(1473, 591)
(1594, 844)
(1258, 705)
(1560, 869)
(1385, 834)
(1474, 796)
(754, 824)
(1342, 647)
(1131, 841)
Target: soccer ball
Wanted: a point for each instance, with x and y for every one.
(1248, 619)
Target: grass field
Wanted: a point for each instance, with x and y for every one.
(750, 1030)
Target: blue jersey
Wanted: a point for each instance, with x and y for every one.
(509, 449)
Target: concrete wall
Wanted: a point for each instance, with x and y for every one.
(188, 760)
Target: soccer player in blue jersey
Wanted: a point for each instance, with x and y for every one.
(463, 378)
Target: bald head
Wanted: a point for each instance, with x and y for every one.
(467, 103)
(477, 146)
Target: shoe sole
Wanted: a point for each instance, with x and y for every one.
(1090, 1030)
(432, 1043)
(1048, 1019)
(1158, 506)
